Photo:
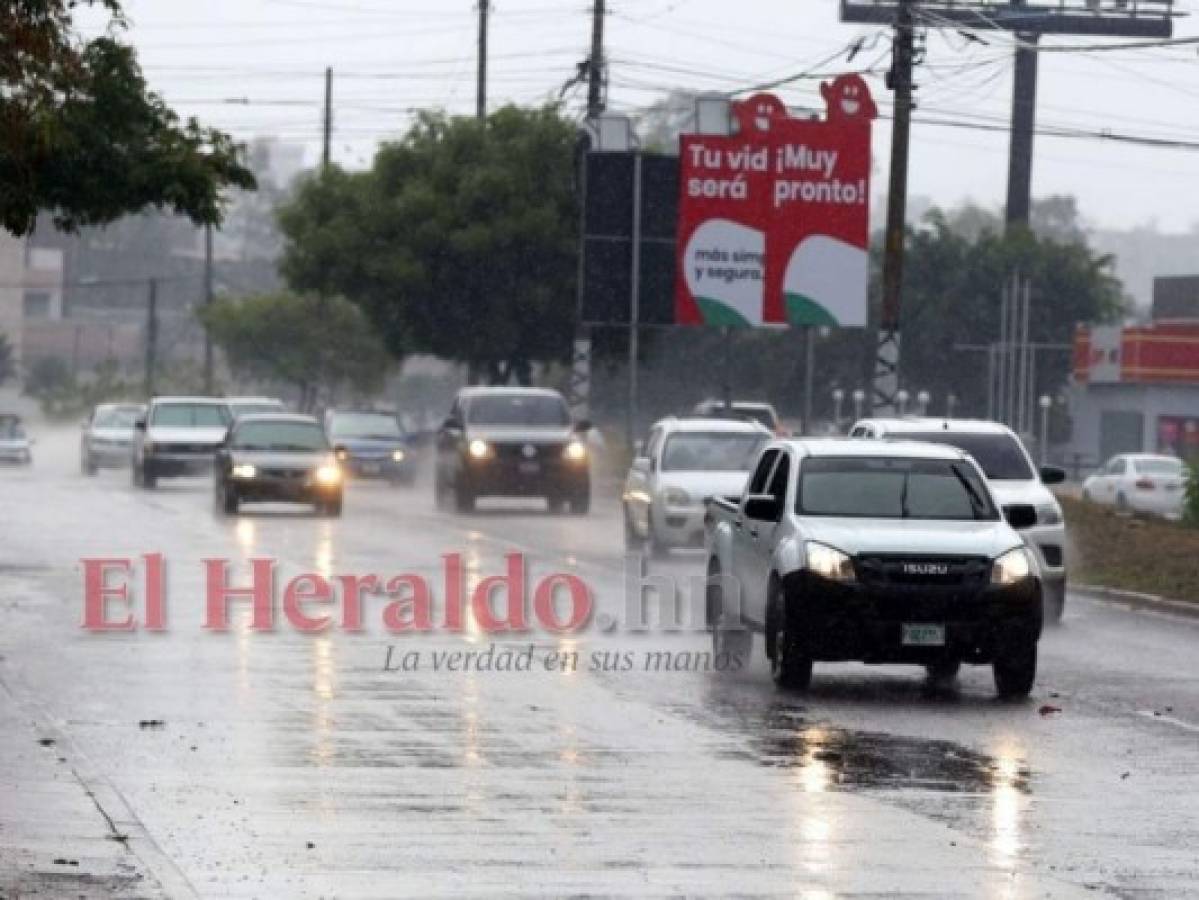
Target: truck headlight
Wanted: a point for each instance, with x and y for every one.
(478, 449)
(397, 455)
(328, 474)
(1049, 514)
(1011, 567)
(244, 470)
(674, 496)
(828, 562)
(575, 451)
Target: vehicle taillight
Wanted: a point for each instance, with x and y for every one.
(1145, 484)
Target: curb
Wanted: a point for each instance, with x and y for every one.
(1138, 600)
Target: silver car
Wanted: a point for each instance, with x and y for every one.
(107, 436)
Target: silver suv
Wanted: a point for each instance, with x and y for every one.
(1013, 479)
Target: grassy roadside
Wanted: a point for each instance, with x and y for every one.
(1132, 553)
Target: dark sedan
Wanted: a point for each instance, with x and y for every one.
(277, 457)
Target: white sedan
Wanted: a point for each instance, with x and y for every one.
(684, 462)
(1139, 482)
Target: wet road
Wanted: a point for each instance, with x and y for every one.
(280, 764)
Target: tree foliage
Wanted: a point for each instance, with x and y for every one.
(81, 135)
(460, 241)
(310, 343)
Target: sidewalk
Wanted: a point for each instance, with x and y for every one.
(56, 840)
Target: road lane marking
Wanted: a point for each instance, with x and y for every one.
(1169, 720)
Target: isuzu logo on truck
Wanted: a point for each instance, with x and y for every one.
(925, 569)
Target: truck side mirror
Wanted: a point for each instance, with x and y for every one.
(582, 426)
(763, 507)
(452, 423)
(140, 424)
(1020, 515)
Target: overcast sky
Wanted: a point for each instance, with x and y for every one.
(392, 56)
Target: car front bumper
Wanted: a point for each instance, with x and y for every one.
(865, 622)
(167, 465)
(290, 488)
(379, 467)
(1048, 544)
(109, 456)
(678, 526)
(515, 478)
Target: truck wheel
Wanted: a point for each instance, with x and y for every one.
(789, 667)
(86, 464)
(147, 478)
(330, 508)
(731, 638)
(464, 500)
(1055, 603)
(229, 501)
(1015, 671)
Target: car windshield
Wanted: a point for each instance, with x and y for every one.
(116, 417)
(249, 408)
(518, 410)
(365, 425)
(1159, 466)
(11, 429)
(893, 488)
(190, 415)
(710, 452)
(999, 455)
(280, 437)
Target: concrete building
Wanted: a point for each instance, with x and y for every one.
(1136, 388)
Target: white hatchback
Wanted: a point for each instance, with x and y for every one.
(1140, 482)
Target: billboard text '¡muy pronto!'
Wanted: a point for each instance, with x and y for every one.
(774, 221)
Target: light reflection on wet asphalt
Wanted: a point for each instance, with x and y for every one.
(576, 782)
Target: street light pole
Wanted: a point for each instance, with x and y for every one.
(901, 402)
(1045, 403)
(859, 400)
(838, 397)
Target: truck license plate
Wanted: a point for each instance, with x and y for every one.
(530, 468)
(923, 635)
(371, 468)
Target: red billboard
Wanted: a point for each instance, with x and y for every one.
(774, 220)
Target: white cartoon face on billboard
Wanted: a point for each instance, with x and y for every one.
(759, 113)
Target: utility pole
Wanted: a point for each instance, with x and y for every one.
(327, 128)
(595, 64)
(1024, 116)
(208, 380)
(809, 376)
(899, 80)
(151, 337)
(635, 302)
(481, 89)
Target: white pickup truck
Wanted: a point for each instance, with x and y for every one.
(880, 552)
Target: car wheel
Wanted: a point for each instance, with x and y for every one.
(330, 508)
(86, 465)
(944, 670)
(1016, 670)
(1122, 503)
(790, 668)
(229, 502)
(464, 498)
(633, 542)
(580, 503)
(148, 479)
(731, 638)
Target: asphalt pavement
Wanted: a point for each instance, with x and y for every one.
(360, 763)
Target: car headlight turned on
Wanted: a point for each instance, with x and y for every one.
(328, 474)
(397, 455)
(478, 449)
(1012, 567)
(673, 496)
(828, 562)
(1049, 514)
(575, 451)
(244, 470)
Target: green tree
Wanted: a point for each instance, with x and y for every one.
(83, 138)
(1190, 505)
(310, 343)
(461, 241)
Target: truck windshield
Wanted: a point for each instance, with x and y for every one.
(710, 452)
(521, 410)
(190, 415)
(893, 488)
(1000, 455)
(380, 426)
